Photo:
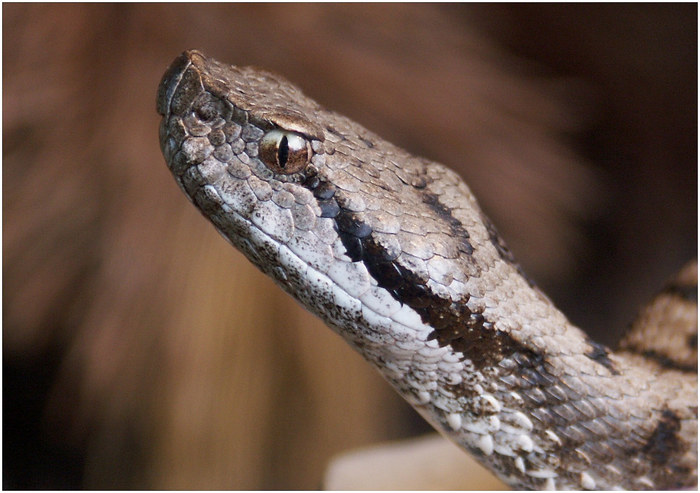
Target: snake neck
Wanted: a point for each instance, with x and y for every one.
(394, 253)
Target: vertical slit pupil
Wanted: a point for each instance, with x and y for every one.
(283, 152)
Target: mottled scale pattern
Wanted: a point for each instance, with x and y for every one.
(393, 252)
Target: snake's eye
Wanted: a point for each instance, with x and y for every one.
(284, 152)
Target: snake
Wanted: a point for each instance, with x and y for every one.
(393, 252)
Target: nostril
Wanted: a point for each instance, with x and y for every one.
(206, 112)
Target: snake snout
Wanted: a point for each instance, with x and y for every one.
(178, 86)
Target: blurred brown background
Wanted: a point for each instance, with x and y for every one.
(141, 351)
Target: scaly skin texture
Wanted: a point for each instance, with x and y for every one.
(393, 253)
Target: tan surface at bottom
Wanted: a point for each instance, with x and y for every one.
(429, 462)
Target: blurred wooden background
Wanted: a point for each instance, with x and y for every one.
(141, 351)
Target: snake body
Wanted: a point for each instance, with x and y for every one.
(393, 253)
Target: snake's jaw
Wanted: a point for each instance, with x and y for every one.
(393, 252)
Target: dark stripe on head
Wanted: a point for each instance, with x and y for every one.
(455, 324)
(457, 232)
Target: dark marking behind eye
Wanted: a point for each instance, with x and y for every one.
(329, 208)
(324, 191)
(455, 325)
(348, 223)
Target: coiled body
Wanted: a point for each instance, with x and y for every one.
(393, 252)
